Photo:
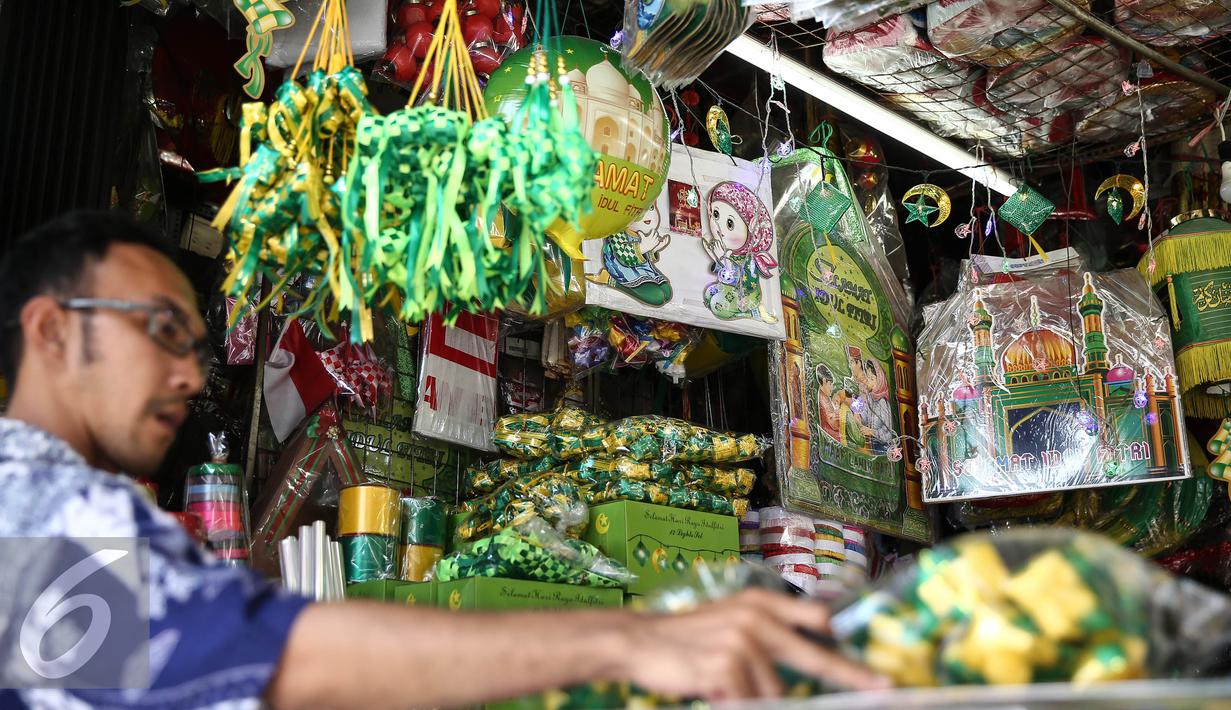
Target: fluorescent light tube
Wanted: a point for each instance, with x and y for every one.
(869, 112)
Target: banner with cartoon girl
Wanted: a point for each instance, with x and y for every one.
(705, 253)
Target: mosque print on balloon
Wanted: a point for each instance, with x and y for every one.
(1042, 419)
(615, 118)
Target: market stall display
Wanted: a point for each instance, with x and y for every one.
(1052, 379)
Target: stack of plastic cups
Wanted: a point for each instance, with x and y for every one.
(213, 491)
(856, 544)
(368, 532)
(787, 546)
(750, 536)
(830, 558)
(423, 537)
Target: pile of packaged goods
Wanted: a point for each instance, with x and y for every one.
(1031, 605)
(647, 459)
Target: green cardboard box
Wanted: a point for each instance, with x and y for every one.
(491, 593)
(394, 590)
(661, 544)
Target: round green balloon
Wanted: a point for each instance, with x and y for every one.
(622, 118)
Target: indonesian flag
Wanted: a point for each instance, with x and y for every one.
(296, 382)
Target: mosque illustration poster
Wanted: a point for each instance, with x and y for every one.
(1040, 418)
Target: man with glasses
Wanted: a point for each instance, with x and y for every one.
(103, 347)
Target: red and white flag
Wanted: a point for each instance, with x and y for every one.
(457, 381)
(296, 382)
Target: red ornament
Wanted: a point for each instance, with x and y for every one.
(486, 8)
(485, 59)
(434, 9)
(690, 97)
(419, 38)
(411, 12)
(399, 64)
(476, 28)
(690, 138)
(502, 31)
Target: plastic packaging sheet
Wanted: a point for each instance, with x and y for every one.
(891, 55)
(871, 183)
(215, 493)
(1152, 518)
(1035, 605)
(1046, 377)
(844, 15)
(966, 112)
(549, 497)
(843, 381)
(421, 541)
(1165, 99)
(533, 549)
(1170, 23)
(457, 380)
(1000, 32)
(1086, 71)
(304, 485)
(641, 438)
(366, 20)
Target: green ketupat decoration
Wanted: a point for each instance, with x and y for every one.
(283, 216)
(433, 179)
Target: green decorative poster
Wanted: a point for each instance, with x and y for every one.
(844, 377)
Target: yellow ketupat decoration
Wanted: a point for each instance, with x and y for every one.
(957, 587)
(1053, 595)
(899, 652)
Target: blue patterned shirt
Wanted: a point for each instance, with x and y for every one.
(216, 632)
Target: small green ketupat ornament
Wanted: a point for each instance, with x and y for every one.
(824, 206)
(719, 128)
(1115, 206)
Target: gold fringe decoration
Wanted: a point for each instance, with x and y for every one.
(1184, 253)
(1204, 363)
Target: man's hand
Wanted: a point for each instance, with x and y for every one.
(727, 650)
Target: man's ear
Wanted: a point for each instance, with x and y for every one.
(44, 329)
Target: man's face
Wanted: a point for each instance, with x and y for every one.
(130, 392)
(827, 388)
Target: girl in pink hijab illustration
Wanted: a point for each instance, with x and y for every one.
(740, 240)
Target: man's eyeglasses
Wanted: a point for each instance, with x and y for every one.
(164, 324)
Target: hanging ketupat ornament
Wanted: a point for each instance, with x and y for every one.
(1115, 201)
(430, 181)
(1026, 210)
(619, 115)
(920, 211)
(719, 128)
(283, 217)
(263, 16)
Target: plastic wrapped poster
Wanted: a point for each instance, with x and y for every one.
(891, 55)
(457, 381)
(704, 254)
(1037, 376)
(844, 377)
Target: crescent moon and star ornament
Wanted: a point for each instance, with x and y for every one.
(1115, 201)
(920, 211)
(719, 128)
